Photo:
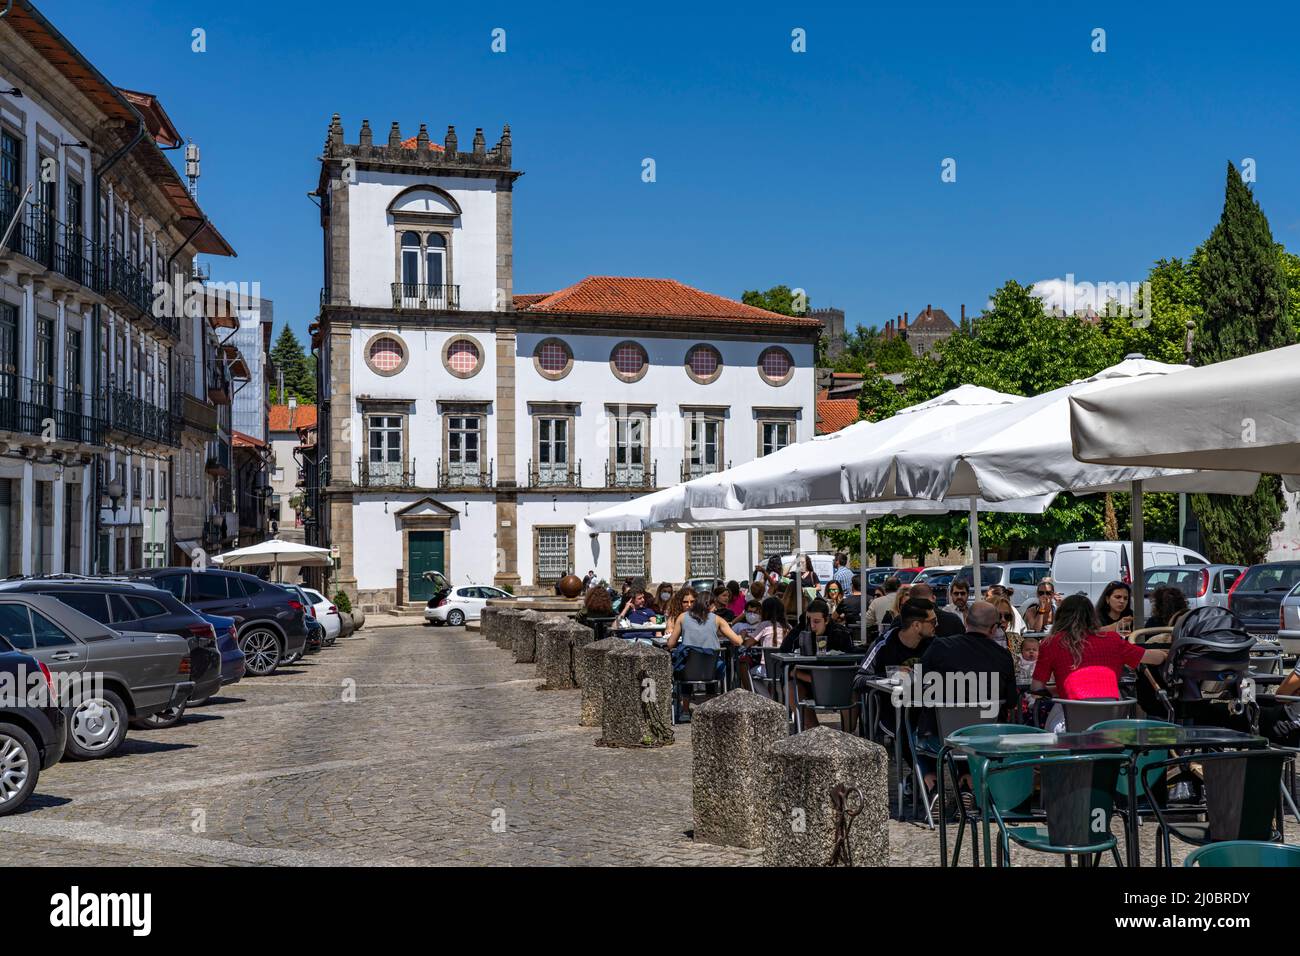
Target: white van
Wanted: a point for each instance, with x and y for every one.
(1088, 566)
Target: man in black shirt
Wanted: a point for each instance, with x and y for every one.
(949, 623)
(981, 662)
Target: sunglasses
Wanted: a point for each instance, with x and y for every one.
(1008, 617)
(1044, 593)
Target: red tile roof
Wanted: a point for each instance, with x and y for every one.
(240, 440)
(835, 413)
(524, 301)
(279, 419)
(410, 144)
(628, 296)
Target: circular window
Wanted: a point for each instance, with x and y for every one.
(462, 356)
(553, 359)
(703, 364)
(629, 362)
(386, 355)
(776, 366)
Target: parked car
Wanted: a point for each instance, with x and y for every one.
(938, 577)
(1288, 634)
(135, 674)
(327, 613)
(33, 733)
(876, 577)
(272, 622)
(135, 606)
(232, 658)
(823, 563)
(907, 575)
(1203, 585)
(315, 630)
(1086, 567)
(462, 604)
(1256, 597)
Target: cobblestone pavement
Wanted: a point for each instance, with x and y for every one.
(446, 735)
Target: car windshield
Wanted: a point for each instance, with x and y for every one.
(1186, 580)
(1270, 577)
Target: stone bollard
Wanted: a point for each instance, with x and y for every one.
(802, 822)
(637, 709)
(591, 677)
(524, 643)
(503, 627)
(487, 621)
(730, 736)
(558, 645)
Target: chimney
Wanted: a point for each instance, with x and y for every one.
(394, 136)
(293, 403)
(963, 313)
(929, 311)
(903, 327)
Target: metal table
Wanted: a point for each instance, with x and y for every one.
(1132, 741)
(788, 661)
(885, 686)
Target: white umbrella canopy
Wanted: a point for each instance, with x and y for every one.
(1024, 449)
(275, 553)
(1239, 415)
(810, 472)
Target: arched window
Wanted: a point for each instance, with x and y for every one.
(410, 262)
(435, 261)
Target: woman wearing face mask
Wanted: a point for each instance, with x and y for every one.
(768, 631)
(662, 595)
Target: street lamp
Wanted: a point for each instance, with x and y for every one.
(115, 492)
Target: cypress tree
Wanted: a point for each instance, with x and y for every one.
(1244, 309)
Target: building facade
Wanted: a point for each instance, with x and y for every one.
(286, 424)
(469, 430)
(93, 360)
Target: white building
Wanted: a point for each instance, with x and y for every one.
(101, 390)
(470, 430)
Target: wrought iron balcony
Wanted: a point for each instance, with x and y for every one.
(30, 407)
(557, 475)
(465, 475)
(385, 474)
(141, 418)
(407, 295)
(631, 476)
(698, 469)
(130, 285)
(59, 247)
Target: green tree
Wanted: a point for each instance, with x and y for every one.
(297, 368)
(1245, 308)
(780, 298)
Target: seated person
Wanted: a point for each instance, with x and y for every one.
(1166, 604)
(637, 610)
(1075, 643)
(722, 604)
(997, 592)
(821, 634)
(949, 623)
(959, 597)
(698, 629)
(1027, 659)
(1042, 615)
(903, 646)
(752, 617)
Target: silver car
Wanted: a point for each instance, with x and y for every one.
(115, 676)
(1289, 623)
(1204, 585)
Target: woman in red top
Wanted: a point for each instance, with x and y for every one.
(1075, 644)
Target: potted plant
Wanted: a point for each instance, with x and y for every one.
(344, 604)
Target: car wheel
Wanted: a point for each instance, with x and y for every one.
(164, 718)
(96, 726)
(261, 649)
(20, 765)
(199, 702)
(292, 659)
(455, 618)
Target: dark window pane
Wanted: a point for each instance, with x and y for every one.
(209, 587)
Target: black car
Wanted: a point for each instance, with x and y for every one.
(1256, 596)
(33, 731)
(131, 606)
(271, 621)
(315, 629)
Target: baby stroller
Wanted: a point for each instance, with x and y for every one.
(1206, 678)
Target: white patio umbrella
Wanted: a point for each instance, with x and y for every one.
(1025, 449)
(277, 554)
(1239, 415)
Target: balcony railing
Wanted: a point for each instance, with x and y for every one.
(408, 295)
(557, 475)
(631, 476)
(142, 418)
(29, 407)
(698, 469)
(130, 284)
(195, 412)
(385, 474)
(465, 475)
(55, 245)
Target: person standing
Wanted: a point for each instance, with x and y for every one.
(843, 574)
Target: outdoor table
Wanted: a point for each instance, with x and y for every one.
(1132, 741)
(877, 686)
(789, 660)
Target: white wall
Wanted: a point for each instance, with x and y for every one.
(377, 539)
(372, 248)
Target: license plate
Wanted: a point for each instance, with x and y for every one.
(1263, 636)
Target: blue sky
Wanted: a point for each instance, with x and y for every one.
(819, 170)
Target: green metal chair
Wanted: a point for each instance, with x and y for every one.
(1015, 792)
(1078, 800)
(1245, 853)
(1143, 761)
(1242, 799)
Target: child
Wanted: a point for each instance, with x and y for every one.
(1027, 659)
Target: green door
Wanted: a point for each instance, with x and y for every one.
(425, 555)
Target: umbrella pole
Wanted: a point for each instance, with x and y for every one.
(796, 574)
(1138, 586)
(862, 577)
(749, 540)
(974, 522)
